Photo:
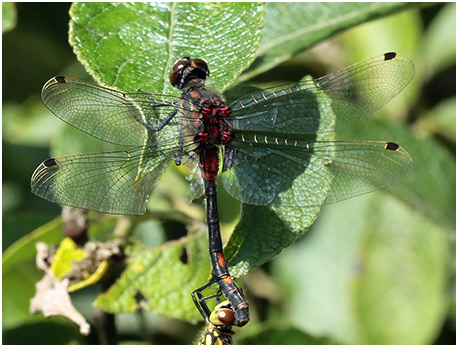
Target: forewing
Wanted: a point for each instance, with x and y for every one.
(113, 182)
(332, 102)
(125, 119)
(297, 173)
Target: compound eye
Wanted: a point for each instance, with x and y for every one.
(223, 314)
(201, 65)
(188, 71)
(226, 316)
(177, 70)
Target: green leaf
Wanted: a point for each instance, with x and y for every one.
(293, 27)
(403, 280)
(401, 33)
(53, 331)
(159, 280)
(372, 272)
(433, 194)
(441, 119)
(273, 333)
(19, 272)
(264, 232)
(8, 16)
(21, 121)
(24, 249)
(439, 51)
(133, 46)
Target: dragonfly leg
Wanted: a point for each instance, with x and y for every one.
(178, 157)
(164, 122)
(201, 301)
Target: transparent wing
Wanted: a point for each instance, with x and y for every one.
(328, 103)
(298, 173)
(113, 182)
(127, 119)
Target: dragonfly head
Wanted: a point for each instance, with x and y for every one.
(189, 72)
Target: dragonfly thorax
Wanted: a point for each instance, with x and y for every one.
(214, 115)
(207, 123)
(208, 118)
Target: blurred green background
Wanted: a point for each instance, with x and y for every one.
(379, 269)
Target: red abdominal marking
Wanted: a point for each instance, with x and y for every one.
(221, 260)
(209, 167)
(228, 279)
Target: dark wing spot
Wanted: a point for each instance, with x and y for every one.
(390, 55)
(50, 162)
(392, 146)
(60, 79)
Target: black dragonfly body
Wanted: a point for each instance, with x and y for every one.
(268, 140)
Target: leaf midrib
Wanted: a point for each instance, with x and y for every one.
(169, 52)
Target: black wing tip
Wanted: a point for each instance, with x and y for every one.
(49, 162)
(392, 146)
(60, 79)
(390, 55)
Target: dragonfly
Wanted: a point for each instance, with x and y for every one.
(269, 144)
(218, 326)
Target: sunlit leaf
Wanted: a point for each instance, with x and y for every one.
(161, 280)
(293, 27)
(8, 16)
(134, 45)
(371, 272)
